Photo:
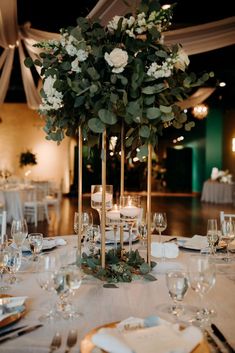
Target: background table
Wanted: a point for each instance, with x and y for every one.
(101, 305)
(216, 192)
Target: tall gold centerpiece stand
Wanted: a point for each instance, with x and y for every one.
(103, 178)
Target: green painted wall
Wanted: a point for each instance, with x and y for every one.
(214, 141)
(198, 163)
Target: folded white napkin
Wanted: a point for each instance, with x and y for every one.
(48, 243)
(169, 250)
(197, 242)
(167, 337)
(14, 303)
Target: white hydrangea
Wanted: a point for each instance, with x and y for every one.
(130, 21)
(54, 98)
(160, 71)
(113, 24)
(117, 59)
(75, 65)
(82, 55)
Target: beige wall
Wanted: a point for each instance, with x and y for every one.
(21, 129)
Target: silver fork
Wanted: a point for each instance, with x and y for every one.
(71, 340)
(56, 342)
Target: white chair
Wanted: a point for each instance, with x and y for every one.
(35, 206)
(53, 199)
(3, 223)
(224, 216)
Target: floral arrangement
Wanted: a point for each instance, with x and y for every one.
(120, 267)
(27, 158)
(102, 77)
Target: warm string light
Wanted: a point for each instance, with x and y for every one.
(200, 111)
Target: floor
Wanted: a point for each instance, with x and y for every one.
(186, 214)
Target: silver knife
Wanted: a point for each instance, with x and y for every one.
(11, 330)
(221, 337)
(20, 333)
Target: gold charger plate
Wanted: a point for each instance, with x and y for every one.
(12, 318)
(87, 346)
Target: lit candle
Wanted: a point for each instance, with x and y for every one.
(97, 196)
(114, 214)
(130, 211)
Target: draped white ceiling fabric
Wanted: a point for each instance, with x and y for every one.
(194, 39)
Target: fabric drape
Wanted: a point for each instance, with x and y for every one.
(194, 39)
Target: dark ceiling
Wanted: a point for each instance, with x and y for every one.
(52, 15)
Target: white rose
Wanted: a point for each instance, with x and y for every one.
(117, 59)
(75, 65)
(182, 60)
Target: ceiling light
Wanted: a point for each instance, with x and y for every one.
(222, 84)
(200, 111)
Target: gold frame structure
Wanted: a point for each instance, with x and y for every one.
(103, 178)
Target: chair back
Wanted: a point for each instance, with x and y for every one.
(3, 223)
(224, 216)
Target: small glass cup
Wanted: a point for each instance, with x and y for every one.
(36, 244)
(177, 284)
(13, 263)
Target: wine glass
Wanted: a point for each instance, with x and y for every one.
(227, 235)
(160, 221)
(130, 212)
(67, 280)
(36, 244)
(92, 235)
(46, 267)
(212, 235)
(177, 284)
(3, 241)
(142, 231)
(3, 265)
(96, 198)
(113, 220)
(19, 232)
(13, 263)
(202, 277)
(86, 221)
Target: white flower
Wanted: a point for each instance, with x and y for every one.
(71, 49)
(117, 59)
(82, 55)
(54, 98)
(130, 21)
(113, 24)
(160, 71)
(75, 65)
(182, 60)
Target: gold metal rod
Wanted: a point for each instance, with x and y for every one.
(122, 176)
(79, 189)
(103, 210)
(149, 177)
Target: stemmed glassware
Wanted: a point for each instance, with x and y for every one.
(202, 277)
(113, 220)
(3, 266)
(142, 231)
(46, 267)
(130, 212)
(36, 244)
(19, 232)
(96, 198)
(86, 221)
(13, 263)
(177, 284)
(212, 235)
(159, 219)
(227, 235)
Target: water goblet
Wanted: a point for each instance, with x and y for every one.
(202, 277)
(227, 235)
(96, 198)
(212, 235)
(177, 284)
(67, 280)
(46, 267)
(142, 231)
(19, 232)
(130, 212)
(13, 263)
(36, 244)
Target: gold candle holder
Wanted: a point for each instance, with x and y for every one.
(79, 189)
(103, 211)
(149, 171)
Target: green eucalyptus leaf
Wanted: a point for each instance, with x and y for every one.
(143, 151)
(153, 113)
(110, 285)
(96, 125)
(165, 109)
(150, 277)
(107, 117)
(144, 131)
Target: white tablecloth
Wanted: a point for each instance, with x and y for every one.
(216, 192)
(103, 305)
